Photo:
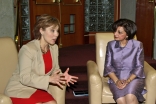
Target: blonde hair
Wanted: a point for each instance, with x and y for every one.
(43, 22)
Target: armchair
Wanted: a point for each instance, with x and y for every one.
(8, 61)
(99, 91)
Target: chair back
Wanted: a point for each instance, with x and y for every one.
(101, 40)
(8, 60)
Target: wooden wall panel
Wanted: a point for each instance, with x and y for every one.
(145, 25)
(62, 11)
(77, 37)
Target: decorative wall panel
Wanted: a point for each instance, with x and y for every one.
(25, 20)
(99, 15)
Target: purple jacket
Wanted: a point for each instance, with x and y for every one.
(124, 60)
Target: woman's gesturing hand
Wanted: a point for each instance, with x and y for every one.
(58, 79)
(69, 78)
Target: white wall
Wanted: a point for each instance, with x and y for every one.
(7, 19)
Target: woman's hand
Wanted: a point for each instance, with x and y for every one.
(69, 78)
(128, 81)
(121, 84)
(57, 79)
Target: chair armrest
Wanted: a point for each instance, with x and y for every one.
(94, 83)
(4, 99)
(150, 83)
(58, 93)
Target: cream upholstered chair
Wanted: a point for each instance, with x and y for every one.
(99, 91)
(8, 62)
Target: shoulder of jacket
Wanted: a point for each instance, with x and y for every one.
(32, 46)
(136, 42)
(112, 42)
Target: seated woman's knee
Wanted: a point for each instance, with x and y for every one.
(131, 98)
(121, 100)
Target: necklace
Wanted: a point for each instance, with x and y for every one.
(44, 51)
(123, 45)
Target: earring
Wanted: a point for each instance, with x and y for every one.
(126, 37)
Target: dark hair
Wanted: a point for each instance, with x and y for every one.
(43, 22)
(128, 25)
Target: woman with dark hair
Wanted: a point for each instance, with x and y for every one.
(124, 64)
(38, 67)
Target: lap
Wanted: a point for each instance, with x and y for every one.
(135, 87)
(38, 96)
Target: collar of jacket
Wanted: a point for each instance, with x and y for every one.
(130, 44)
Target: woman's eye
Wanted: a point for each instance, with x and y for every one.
(52, 30)
(119, 32)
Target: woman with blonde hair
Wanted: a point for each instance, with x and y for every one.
(38, 68)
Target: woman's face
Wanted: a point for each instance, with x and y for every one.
(120, 34)
(49, 35)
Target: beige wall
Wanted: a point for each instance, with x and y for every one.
(7, 18)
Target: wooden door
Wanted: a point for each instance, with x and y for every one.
(63, 10)
(71, 8)
(145, 24)
(39, 7)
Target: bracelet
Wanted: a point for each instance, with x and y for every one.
(116, 81)
(129, 80)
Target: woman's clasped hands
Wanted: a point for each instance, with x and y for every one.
(63, 78)
(121, 83)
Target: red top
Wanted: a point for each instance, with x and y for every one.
(39, 95)
(47, 61)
